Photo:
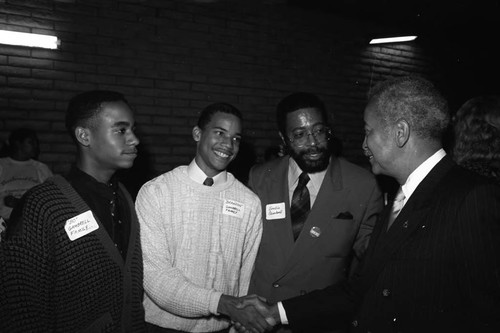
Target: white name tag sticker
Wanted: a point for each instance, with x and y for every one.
(80, 225)
(275, 211)
(233, 208)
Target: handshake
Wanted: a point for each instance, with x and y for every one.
(249, 313)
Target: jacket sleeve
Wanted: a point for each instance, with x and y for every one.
(373, 207)
(26, 273)
(477, 253)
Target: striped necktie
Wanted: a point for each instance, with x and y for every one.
(300, 206)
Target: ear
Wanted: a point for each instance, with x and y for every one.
(282, 139)
(402, 132)
(82, 135)
(196, 133)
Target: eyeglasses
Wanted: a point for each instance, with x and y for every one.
(301, 137)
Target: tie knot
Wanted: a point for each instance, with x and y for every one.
(303, 179)
(400, 196)
(209, 181)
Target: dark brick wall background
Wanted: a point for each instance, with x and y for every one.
(172, 58)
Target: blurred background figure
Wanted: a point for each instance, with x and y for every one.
(20, 170)
(476, 129)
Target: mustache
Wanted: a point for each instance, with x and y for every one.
(313, 150)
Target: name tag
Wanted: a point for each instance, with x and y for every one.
(80, 225)
(275, 211)
(233, 208)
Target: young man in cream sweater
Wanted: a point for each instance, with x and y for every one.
(200, 231)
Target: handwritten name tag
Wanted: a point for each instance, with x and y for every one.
(233, 208)
(275, 211)
(80, 225)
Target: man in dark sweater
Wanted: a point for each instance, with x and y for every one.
(72, 259)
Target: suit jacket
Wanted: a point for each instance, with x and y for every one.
(342, 216)
(437, 269)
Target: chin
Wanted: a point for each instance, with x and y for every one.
(126, 165)
(313, 166)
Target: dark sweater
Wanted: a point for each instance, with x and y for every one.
(49, 283)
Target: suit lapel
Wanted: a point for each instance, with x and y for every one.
(277, 189)
(410, 219)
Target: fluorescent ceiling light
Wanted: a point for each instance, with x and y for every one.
(393, 39)
(27, 39)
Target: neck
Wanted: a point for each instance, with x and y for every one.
(19, 157)
(101, 175)
(414, 156)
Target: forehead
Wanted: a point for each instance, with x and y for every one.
(305, 117)
(226, 121)
(115, 112)
(370, 115)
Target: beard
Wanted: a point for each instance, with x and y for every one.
(311, 166)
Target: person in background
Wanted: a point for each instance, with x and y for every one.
(72, 258)
(307, 249)
(201, 229)
(476, 128)
(20, 170)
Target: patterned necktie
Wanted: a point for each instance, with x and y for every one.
(396, 206)
(209, 181)
(301, 204)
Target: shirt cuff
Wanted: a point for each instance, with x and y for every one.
(283, 318)
(214, 302)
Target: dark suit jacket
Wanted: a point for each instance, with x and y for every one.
(437, 269)
(344, 214)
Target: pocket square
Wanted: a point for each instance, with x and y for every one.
(345, 216)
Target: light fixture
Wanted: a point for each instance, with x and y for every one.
(27, 39)
(393, 39)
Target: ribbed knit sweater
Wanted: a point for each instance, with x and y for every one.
(50, 283)
(198, 242)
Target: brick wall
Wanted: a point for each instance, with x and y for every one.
(172, 58)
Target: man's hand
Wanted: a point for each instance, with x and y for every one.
(269, 312)
(251, 312)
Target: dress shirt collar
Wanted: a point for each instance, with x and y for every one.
(196, 174)
(420, 173)
(86, 183)
(294, 171)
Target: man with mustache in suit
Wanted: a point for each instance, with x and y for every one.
(313, 234)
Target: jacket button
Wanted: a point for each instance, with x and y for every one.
(276, 285)
(386, 293)
(354, 323)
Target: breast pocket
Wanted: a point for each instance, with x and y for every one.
(338, 238)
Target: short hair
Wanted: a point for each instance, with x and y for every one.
(83, 108)
(21, 134)
(208, 112)
(297, 101)
(416, 100)
(476, 128)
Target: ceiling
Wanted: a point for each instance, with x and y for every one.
(442, 17)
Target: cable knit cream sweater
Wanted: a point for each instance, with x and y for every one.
(198, 242)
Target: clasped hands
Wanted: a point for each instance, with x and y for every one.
(249, 313)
